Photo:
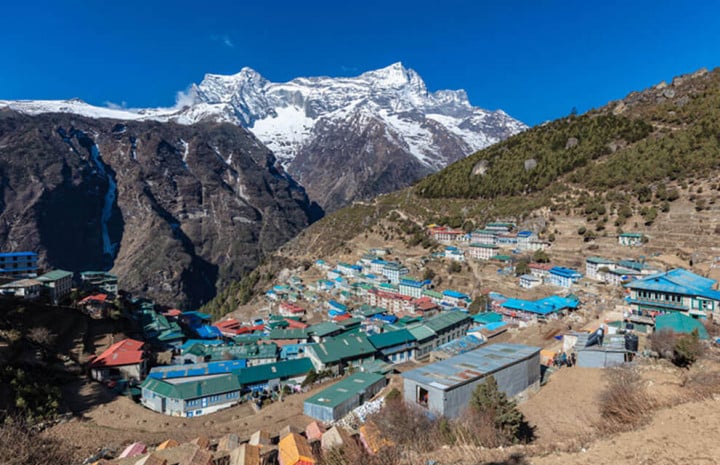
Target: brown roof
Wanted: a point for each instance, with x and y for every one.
(314, 431)
(246, 454)
(167, 444)
(202, 441)
(228, 442)
(260, 438)
(335, 437)
(152, 459)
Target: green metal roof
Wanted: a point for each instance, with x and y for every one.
(421, 332)
(391, 338)
(484, 246)
(350, 323)
(445, 320)
(345, 389)
(502, 258)
(54, 275)
(343, 347)
(292, 333)
(237, 352)
(433, 294)
(193, 389)
(487, 317)
(679, 323)
(268, 371)
(324, 329)
(368, 310)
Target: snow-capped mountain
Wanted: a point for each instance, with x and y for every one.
(342, 138)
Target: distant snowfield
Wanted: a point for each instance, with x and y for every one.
(285, 116)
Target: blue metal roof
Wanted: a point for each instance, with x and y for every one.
(455, 294)
(196, 369)
(565, 272)
(208, 332)
(525, 233)
(677, 281)
(544, 306)
(18, 254)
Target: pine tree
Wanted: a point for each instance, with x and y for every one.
(488, 399)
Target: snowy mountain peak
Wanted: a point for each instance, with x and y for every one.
(394, 76)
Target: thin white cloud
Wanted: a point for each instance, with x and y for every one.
(223, 39)
(186, 98)
(116, 106)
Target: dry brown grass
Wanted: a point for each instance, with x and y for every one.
(625, 403)
(20, 445)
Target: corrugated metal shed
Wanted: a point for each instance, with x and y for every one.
(340, 399)
(611, 353)
(447, 374)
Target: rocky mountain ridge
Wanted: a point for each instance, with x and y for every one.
(344, 139)
(174, 210)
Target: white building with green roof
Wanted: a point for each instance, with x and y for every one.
(58, 284)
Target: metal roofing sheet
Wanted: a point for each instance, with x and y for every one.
(469, 366)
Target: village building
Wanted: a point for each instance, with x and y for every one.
(425, 307)
(506, 240)
(500, 227)
(594, 264)
(321, 332)
(482, 251)
(396, 346)
(448, 326)
(253, 354)
(18, 264)
(391, 301)
(96, 305)
(483, 236)
(335, 402)
(677, 290)
(453, 253)
(617, 275)
(445, 234)
(294, 449)
(541, 270)
(528, 281)
(455, 298)
(99, 281)
(445, 387)
(433, 295)
(631, 239)
(425, 339)
(334, 354)
(231, 327)
(523, 310)
(524, 239)
(189, 397)
(196, 369)
(26, 288)
(58, 284)
(536, 244)
(291, 309)
(123, 360)
(563, 277)
(347, 269)
(457, 346)
(393, 271)
(412, 287)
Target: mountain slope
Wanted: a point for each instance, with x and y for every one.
(650, 162)
(174, 210)
(342, 138)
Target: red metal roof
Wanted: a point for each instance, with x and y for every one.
(173, 312)
(125, 352)
(291, 307)
(296, 324)
(95, 298)
(342, 317)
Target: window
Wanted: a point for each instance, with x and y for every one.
(423, 396)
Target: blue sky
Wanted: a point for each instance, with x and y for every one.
(534, 59)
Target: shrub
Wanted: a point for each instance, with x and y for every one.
(406, 425)
(496, 417)
(688, 349)
(625, 402)
(20, 445)
(663, 342)
(454, 267)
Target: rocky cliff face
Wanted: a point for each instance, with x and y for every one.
(174, 210)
